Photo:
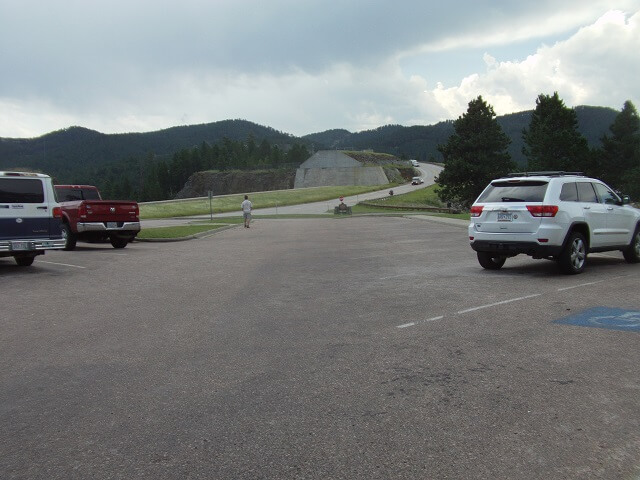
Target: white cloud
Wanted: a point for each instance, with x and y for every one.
(598, 65)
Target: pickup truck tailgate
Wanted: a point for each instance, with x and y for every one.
(112, 211)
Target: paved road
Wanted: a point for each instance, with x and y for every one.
(319, 349)
(429, 172)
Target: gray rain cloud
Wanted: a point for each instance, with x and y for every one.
(304, 66)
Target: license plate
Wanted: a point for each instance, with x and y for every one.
(112, 224)
(505, 216)
(20, 245)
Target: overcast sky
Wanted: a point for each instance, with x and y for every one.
(305, 66)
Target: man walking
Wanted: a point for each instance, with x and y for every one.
(246, 211)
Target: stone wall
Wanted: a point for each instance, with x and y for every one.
(224, 183)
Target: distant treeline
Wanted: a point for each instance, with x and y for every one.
(151, 177)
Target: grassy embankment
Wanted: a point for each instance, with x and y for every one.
(421, 198)
(231, 203)
(426, 197)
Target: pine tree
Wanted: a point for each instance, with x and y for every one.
(474, 155)
(619, 159)
(553, 141)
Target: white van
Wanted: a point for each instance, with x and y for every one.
(30, 216)
(415, 163)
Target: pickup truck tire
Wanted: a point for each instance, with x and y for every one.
(119, 242)
(70, 238)
(24, 261)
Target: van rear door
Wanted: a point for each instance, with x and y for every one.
(24, 210)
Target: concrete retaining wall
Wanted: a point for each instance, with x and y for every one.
(356, 175)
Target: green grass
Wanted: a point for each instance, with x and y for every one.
(216, 220)
(365, 209)
(423, 197)
(232, 203)
(175, 232)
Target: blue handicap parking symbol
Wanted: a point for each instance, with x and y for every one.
(605, 317)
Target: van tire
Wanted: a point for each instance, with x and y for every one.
(70, 238)
(24, 261)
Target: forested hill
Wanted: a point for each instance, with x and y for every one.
(421, 142)
(66, 152)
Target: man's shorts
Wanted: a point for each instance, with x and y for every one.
(247, 215)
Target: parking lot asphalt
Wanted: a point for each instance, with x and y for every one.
(356, 348)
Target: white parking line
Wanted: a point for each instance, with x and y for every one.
(589, 283)
(63, 264)
(503, 302)
(473, 309)
(578, 286)
(411, 324)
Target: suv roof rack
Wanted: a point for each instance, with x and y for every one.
(545, 174)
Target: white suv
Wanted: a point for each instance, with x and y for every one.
(30, 216)
(555, 215)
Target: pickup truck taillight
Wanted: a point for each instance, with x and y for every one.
(57, 212)
(82, 211)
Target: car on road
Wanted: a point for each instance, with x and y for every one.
(415, 163)
(417, 181)
(30, 216)
(554, 215)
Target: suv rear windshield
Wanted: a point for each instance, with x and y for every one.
(23, 190)
(514, 191)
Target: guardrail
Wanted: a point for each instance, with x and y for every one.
(409, 207)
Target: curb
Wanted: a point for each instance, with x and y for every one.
(448, 221)
(188, 237)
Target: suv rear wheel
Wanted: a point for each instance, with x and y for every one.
(490, 261)
(632, 252)
(573, 258)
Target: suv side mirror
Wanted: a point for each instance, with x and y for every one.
(626, 200)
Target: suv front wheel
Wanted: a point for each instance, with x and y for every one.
(573, 258)
(632, 252)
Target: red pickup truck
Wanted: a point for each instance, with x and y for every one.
(87, 217)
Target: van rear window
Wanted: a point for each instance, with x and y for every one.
(21, 190)
(514, 191)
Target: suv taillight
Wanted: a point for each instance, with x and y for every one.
(543, 210)
(476, 210)
(57, 212)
